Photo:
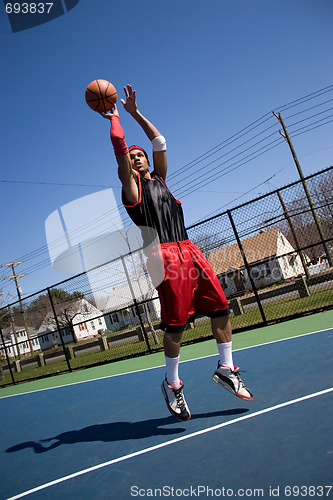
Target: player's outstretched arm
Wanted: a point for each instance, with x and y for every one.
(126, 173)
(158, 141)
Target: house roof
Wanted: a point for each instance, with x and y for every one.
(121, 296)
(8, 330)
(257, 248)
(75, 306)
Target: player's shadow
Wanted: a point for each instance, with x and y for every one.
(117, 431)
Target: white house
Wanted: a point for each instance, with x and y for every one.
(270, 255)
(119, 310)
(80, 316)
(18, 342)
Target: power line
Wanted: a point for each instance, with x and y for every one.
(58, 184)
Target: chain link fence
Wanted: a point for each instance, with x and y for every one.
(273, 256)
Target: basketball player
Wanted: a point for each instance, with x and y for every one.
(189, 285)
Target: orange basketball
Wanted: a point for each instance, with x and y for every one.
(101, 96)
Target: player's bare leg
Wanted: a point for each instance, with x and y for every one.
(172, 343)
(221, 328)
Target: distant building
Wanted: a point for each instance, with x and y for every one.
(79, 317)
(119, 310)
(265, 252)
(21, 343)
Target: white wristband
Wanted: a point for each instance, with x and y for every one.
(159, 143)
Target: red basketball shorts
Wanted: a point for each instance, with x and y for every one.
(186, 284)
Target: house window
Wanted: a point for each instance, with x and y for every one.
(113, 318)
(223, 281)
(292, 260)
(268, 270)
(100, 322)
(255, 273)
(92, 325)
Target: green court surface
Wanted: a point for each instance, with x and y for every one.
(273, 333)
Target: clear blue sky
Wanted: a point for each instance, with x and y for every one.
(203, 71)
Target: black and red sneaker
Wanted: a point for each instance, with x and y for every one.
(175, 401)
(230, 380)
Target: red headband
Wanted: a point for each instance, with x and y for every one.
(141, 149)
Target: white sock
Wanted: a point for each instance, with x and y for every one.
(225, 352)
(172, 371)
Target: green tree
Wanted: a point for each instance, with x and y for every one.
(41, 307)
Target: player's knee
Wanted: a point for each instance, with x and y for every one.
(172, 337)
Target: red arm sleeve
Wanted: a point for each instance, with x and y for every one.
(118, 137)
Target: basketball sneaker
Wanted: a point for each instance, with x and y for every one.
(230, 380)
(175, 401)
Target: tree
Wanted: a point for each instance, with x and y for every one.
(66, 312)
(41, 307)
(4, 313)
(207, 242)
(302, 219)
(139, 272)
(4, 318)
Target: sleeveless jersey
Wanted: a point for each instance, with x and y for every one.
(157, 209)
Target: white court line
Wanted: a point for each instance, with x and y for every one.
(168, 443)
(161, 366)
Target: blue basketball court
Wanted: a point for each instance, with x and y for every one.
(114, 438)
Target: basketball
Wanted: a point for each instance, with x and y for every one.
(101, 95)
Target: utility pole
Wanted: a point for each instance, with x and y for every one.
(305, 186)
(15, 277)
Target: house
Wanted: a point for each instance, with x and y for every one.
(119, 310)
(270, 255)
(17, 341)
(78, 318)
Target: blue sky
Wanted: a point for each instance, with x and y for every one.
(203, 71)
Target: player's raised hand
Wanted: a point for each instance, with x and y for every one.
(130, 103)
(109, 114)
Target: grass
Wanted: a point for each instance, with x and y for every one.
(273, 311)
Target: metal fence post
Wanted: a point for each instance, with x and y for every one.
(136, 304)
(247, 267)
(7, 357)
(59, 330)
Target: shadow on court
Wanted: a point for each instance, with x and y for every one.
(117, 431)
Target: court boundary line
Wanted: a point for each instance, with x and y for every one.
(161, 366)
(169, 443)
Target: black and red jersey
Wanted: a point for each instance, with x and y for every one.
(157, 208)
